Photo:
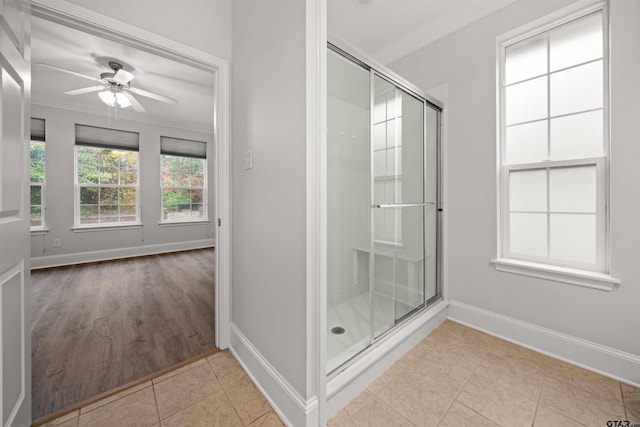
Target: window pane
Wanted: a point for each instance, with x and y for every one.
(528, 234)
(577, 89)
(526, 143)
(108, 175)
(88, 214)
(196, 196)
(197, 211)
(577, 136)
(37, 153)
(128, 176)
(128, 196)
(89, 195)
(573, 238)
(109, 196)
(576, 42)
(573, 189)
(36, 195)
(528, 190)
(526, 59)
(526, 101)
(109, 213)
(36, 216)
(88, 164)
(127, 213)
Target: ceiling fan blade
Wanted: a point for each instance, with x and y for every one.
(64, 70)
(84, 90)
(152, 95)
(123, 77)
(137, 107)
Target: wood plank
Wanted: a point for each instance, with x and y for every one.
(96, 327)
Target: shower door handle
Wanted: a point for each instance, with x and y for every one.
(401, 205)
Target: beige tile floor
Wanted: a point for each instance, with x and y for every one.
(456, 376)
(210, 392)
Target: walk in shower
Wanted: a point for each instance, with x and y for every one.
(382, 162)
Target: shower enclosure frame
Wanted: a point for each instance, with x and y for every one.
(437, 106)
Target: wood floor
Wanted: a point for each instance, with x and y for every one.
(98, 326)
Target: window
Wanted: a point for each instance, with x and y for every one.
(37, 171)
(106, 176)
(553, 123)
(183, 178)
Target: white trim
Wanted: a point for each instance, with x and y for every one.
(546, 263)
(110, 254)
(16, 270)
(342, 388)
(607, 361)
(105, 226)
(74, 16)
(39, 231)
(316, 202)
(290, 406)
(588, 279)
(179, 223)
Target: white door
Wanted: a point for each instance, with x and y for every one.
(15, 325)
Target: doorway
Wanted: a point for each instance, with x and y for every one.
(133, 38)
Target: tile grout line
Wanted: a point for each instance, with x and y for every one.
(155, 399)
(455, 399)
(225, 390)
(624, 402)
(535, 413)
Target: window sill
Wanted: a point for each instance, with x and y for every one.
(39, 231)
(104, 227)
(179, 223)
(588, 279)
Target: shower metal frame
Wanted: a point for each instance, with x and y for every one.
(428, 102)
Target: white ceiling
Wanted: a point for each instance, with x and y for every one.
(87, 54)
(387, 30)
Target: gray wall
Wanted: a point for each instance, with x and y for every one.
(269, 216)
(60, 142)
(465, 61)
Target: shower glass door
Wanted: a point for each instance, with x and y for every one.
(382, 216)
(398, 207)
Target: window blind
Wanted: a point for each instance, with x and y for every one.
(107, 138)
(183, 147)
(37, 129)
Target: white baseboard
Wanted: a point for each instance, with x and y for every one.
(607, 361)
(346, 385)
(290, 406)
(109, 254)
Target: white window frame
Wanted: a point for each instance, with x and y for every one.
(77, 186)
(591, 275)
(43, 225)
(205, 196)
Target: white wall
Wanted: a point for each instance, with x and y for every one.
(59, 196)
(201, 24)
(269, 216)
(465, 61)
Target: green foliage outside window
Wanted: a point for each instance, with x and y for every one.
(108, 181)
(37, 172)
(182, 180)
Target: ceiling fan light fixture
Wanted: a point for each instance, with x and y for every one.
(122, 100)
(108, 97)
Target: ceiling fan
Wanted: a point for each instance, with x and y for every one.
(114, 87)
